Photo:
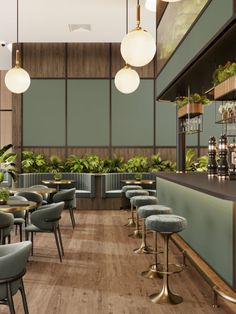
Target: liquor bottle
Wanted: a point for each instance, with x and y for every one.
(232, 160)
(223, 166)
(212, 164)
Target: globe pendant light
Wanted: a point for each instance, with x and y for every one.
(138, 46)
(17, 80)
(127, 80)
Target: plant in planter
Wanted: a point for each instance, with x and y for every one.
(4, 196)
(55, 164)
(7, 162)
(157, 164)
(57, 175)
(33, 162)
(223, 72)
(74, 164)
(137, 164)
(195, 104)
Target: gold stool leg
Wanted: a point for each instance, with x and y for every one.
(166, 296)
(152, 272)
(137, 234)
(144, 248)
(131, 222)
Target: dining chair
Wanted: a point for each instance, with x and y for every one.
(68, 197)
(46, 220)
(31, 196)
(13, 258)
(45, 196)
(19, 217)
(6, 224)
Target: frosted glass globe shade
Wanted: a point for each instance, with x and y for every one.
(17, 80)
(138, 48)
(151, 5)
(127, 80)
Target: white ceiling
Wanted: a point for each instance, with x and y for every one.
(47, 20)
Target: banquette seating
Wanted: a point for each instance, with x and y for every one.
(84, 182)
(111, 185)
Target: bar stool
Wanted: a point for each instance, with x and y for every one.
(125, 202)
(129, 194)
(138, 201)
(144, 212)
(166, 225)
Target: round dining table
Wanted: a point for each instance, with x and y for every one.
(58, 183)
(13, 206)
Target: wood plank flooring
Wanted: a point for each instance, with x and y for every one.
(101, 275)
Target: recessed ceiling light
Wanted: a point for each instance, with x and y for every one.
(79, 27)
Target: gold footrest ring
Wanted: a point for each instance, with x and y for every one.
(152, 272)
(173, 269)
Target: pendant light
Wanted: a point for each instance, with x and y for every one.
(17, 79)
(138, 46)
(127, 79)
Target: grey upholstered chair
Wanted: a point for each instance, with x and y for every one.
(31, 196)
(13, 258)
(6, 224)
(68, 197)
(19, 217)
(45, 196)
(46, 220)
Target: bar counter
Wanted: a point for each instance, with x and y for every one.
(209, 205)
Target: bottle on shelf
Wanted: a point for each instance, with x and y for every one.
(223, 166)
(232, 160)
(212, 164)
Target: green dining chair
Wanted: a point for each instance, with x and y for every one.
(13, 258)
(46, 220)
(6, 224)
(45, 196)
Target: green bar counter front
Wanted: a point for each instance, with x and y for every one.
(210, 209)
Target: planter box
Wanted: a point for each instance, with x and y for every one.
(192, 110)
(226, 87)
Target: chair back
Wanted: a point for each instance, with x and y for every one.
(48, 216)
(31, 196)
(13, 258)
(66, 196)
(6, 223)
(41, 186)
(18, 198)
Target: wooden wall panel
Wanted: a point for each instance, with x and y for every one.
(5, 94)
(44, 60)
(5, 127)
(128, 152)
(88, 60)
(48, 151)
(81, 151)
(118, 63)
(167, 153)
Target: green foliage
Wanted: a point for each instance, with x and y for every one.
(223, 72)
(55, 164)
(117, 164)
(33, 162)
(7, 162)
(193, 98)
(157, 164)
(137, 164)
(195, 164)
(74, 164)
(4, 194)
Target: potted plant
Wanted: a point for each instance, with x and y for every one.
(224, 79)
(57, 175)
(7, 162)
(192, 105)
(4, 196)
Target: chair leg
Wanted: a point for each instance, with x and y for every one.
(60, 239)
(16, 229)
(21, 233)
(23, 295)
(72, 218)
(10, 299)
(57, 243)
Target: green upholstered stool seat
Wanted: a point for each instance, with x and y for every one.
(141, 200)
(148, 210)
(131, 187)
(131, 193)
(166, 223)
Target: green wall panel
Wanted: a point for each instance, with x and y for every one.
(44, 113)
(132, 116)
(166, 124)
(210, 228)
(88, 112)
(206, 27)
(210, 128)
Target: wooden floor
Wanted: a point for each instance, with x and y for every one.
(101, 275)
